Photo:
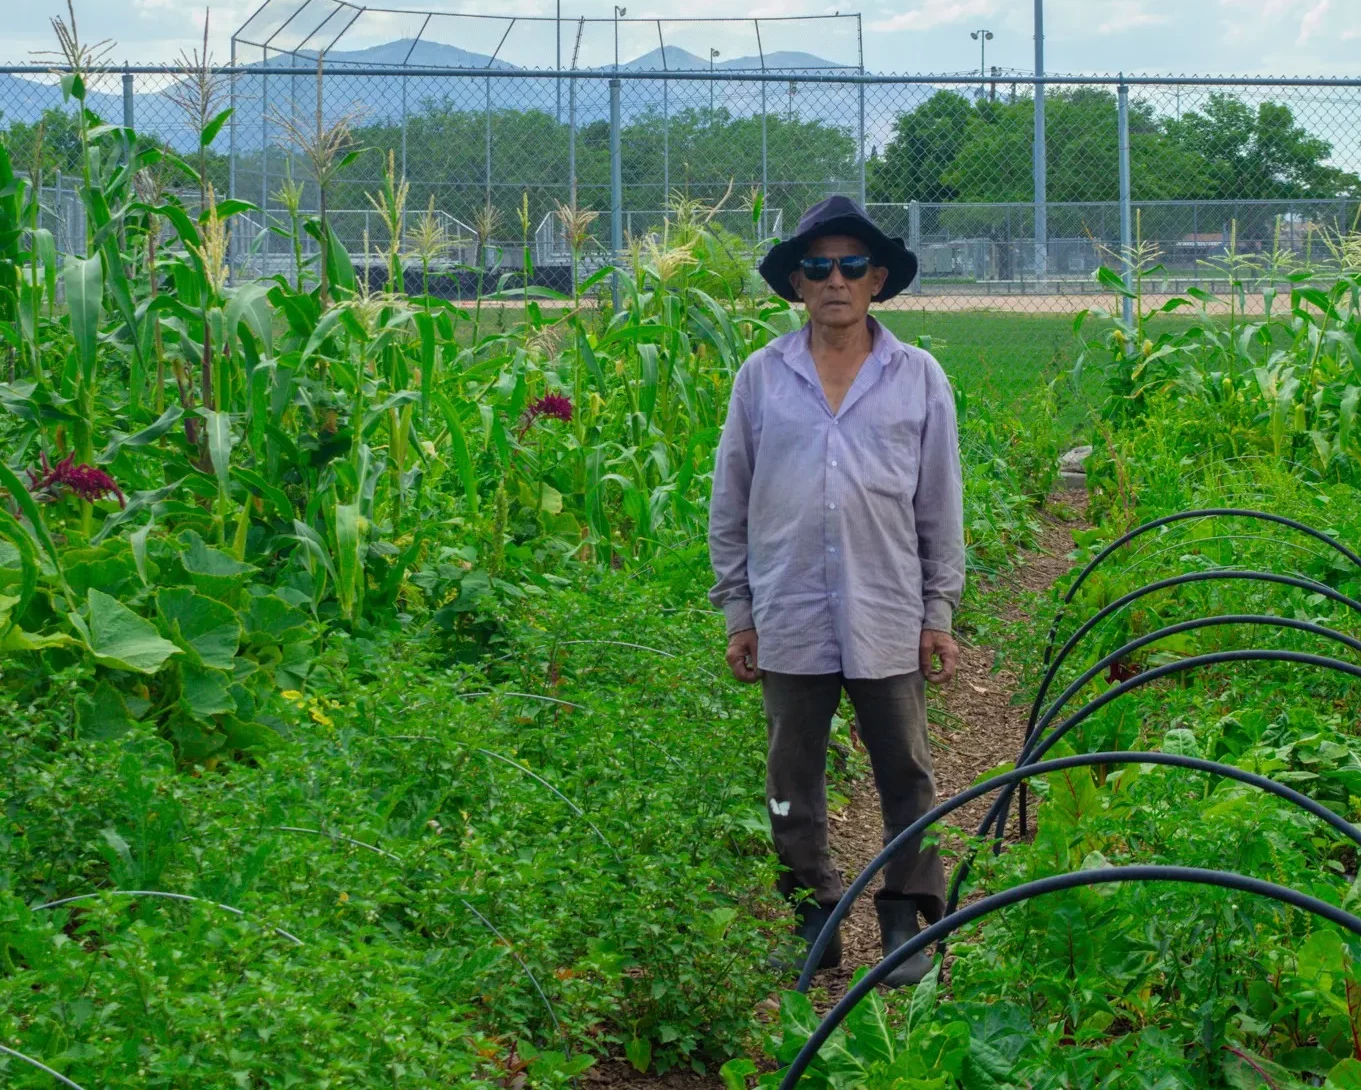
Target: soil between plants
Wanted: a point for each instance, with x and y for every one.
(982, 728)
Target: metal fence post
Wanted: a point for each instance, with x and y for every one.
(572, 141)
(862, 141)
(405, 81)
(666, 142)
(264, 168)
(1038, 152)
(129, 114)
(231, 158)
(488, 163)
(914, 240)
(1126, 231)
(765, 164)
(616, 190)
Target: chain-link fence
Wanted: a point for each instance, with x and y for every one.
(1202, 173)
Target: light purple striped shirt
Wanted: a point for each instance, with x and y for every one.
(838, 536)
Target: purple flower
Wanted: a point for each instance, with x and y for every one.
(85, 481)
(555, 405)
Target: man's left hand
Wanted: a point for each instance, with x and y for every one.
(936, 644)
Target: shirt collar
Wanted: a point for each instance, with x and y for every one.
(884, 348)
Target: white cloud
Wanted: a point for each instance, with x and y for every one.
(1124, 15)
(929, 14)
(1312, 22)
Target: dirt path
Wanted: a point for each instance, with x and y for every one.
(985, 729)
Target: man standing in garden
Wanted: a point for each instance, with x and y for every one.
(836, 534)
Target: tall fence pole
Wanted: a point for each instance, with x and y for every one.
(861, 89)
(405, 81)
(231, 159)
(1038, 151)
(487, 167)
(616, 190)
(914, 240)
(666, 141)
(765, 165)
(264, 168)
(1126, 228)
(129, 111)
(572, 141)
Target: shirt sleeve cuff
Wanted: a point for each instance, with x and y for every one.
(938, 615)
(738, 614)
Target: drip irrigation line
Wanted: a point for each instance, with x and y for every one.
(526, 696)
(163, 896)
(1037, 747)
(1036, 726)
(1179, 580)
(635, 647)
(1007, 779)
(552, 1014)
(1052, 884)
(40, 1066)
(1180, 516)
(574, 807)
(1141, 557)
(527, 971)
(338, 837)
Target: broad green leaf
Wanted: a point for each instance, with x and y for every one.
(208, 630)
(869, 1030)
(638, 1050)
(84, 279)
(212, 570)
(459, 443)
(219, 432)
(349, 558)
(103, 714)
(120, 639)
(1345, 1076)
(250, 304)
(204, 693)
(250, 737)
(734, 1073)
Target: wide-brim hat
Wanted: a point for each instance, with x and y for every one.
(839, 216)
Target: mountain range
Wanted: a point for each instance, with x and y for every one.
(381, 98)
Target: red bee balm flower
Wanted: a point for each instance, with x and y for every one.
(87, 482)
(554, 405)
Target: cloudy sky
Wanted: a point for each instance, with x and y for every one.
(1221, 37)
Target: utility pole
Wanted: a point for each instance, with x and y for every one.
(982, 37)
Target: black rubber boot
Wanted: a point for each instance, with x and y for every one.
(897, 924)
(810, 918)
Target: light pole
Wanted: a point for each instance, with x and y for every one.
(557, 35)
(982, 37)
(619, 13)
(712, 54)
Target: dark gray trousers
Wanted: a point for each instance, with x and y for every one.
(891, 713)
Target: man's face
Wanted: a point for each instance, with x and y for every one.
(837, 302)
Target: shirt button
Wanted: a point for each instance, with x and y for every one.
(831, 507)
(833, 463)
(831, 548)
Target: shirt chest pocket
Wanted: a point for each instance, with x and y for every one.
(892, 457)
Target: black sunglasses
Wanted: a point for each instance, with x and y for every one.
(852, 266)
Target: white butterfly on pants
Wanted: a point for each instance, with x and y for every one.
(779, 809)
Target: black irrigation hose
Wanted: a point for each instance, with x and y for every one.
(1006, 779)
(1033, 727)
(1052, 667)
(1036, 747)
(1052, 884)
(1206, 512)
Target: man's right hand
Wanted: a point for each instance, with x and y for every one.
(742, 656)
